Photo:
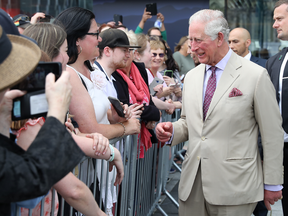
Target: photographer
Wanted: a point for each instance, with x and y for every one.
(25, 175)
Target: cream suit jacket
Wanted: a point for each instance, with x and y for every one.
(226, 142)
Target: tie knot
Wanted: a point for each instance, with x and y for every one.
(213, 69)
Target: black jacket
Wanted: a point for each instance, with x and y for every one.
(29, 174)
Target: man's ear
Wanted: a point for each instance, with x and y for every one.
(220, 38)
(107, 51)
(248, 42)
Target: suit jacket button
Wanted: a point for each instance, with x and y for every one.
(198, 158)
(202, 138)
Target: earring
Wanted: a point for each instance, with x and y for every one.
(80, 49)
(139, 59)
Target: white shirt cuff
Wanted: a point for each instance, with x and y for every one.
(171, 138)
(273, 187)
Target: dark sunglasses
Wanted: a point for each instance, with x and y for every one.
(94, 34)
(155, 37)
(161, 55)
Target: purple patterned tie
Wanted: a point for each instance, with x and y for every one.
(210, 89)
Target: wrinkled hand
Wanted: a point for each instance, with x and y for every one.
(36, 17)
(151, 125)
(146, 15)
(6, 106)
(270, 197)
(158, 89)
(117, 162)
(132, 126)
(160, 15)
(58, 95)
(136, 110)
(100, 143)
(164, 131)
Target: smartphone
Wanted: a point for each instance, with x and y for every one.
(36, 80)
(46, 19)
(168, 73)
(156, 81)
(176, 85)
(117, 106)
(118, 18)
(152, 8)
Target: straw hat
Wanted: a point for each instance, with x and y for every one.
(18, 58)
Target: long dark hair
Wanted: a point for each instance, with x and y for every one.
(76, 21)
(171, 64)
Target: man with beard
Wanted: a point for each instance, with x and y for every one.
(113, 54)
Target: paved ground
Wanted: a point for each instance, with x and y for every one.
(172, 210)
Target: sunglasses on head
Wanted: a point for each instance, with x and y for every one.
(161, 55)
(94, 34)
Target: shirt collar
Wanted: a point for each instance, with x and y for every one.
(248, 56)
(221, 64)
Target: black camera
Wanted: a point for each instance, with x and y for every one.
(34, 103)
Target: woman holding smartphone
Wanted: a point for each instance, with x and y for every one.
(88, 105)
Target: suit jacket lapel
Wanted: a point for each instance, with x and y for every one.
(228, 77)
(275, 70)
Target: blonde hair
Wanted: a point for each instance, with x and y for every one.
(142, 41)
(180, 43)
(158, 44)
(49, 37)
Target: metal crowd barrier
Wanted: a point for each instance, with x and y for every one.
(144, 181)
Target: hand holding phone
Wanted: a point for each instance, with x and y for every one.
(156, 81)
(34, 103)
(168, 73)
(46, 19)
(152, 8)
(117, 106)
(118, 18)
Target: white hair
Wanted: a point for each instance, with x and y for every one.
(214, 23)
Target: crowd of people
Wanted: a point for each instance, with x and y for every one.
(229, 118)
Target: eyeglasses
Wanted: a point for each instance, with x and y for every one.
(94, 34)
(161, 55)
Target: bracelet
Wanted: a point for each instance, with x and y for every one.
(112, 154)
(123, 127)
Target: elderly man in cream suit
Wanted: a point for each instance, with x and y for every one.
(225, 100)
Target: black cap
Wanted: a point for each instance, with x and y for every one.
(21, 20)
(7, 23)
(114, 38)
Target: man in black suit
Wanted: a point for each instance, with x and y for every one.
(278, 71)
(239, 42)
